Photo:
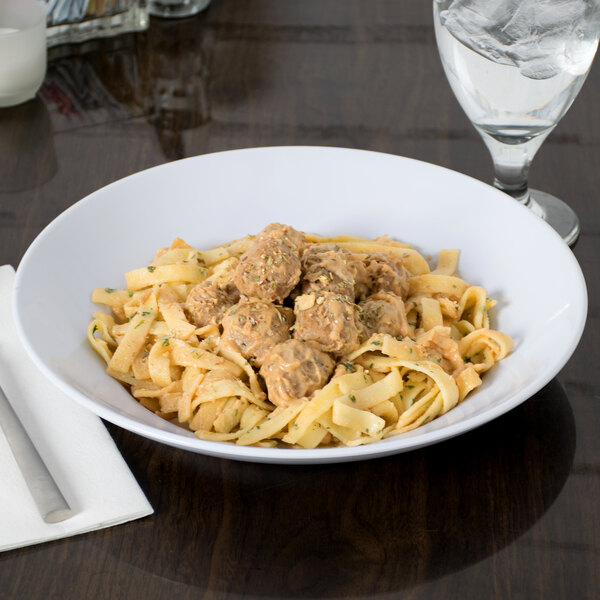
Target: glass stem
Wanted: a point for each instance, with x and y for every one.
(513, 180)
(512, 157)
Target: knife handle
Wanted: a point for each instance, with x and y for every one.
(49, 499)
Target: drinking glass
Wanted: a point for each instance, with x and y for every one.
(515, 67)
(22, 50)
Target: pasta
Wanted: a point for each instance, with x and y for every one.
(296, 340)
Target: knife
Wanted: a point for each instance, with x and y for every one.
(49, 499)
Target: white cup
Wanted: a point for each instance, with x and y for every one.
(22, 50)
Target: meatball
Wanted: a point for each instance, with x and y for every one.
(288, 315)
(270, 268)
(206, 304)
(362, 281)
(330, 321)
(222, 275)
(328, 268)
(278, 230)
(295, 369)
(386, 272)
(252, 327)
(383, 313)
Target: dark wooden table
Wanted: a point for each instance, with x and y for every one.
(510, 510)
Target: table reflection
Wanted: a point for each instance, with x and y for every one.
(180, 76)
(26, 147)
(161, 75)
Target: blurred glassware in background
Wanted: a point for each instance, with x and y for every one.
(176, 8)
(180, 76)
(22, 50)
(71, 21)
(160, 75)
(515, 67)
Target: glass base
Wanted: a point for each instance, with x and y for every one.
(174, 9)
(557, 214)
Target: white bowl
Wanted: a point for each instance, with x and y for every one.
(210, 199)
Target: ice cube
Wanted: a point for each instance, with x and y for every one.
(541, 37)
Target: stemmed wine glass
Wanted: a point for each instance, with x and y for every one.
(516, 66)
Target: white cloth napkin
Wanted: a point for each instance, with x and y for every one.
(73, 442)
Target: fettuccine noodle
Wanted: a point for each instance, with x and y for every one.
(376, 386)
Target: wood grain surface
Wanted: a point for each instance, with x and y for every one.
(510, 510)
